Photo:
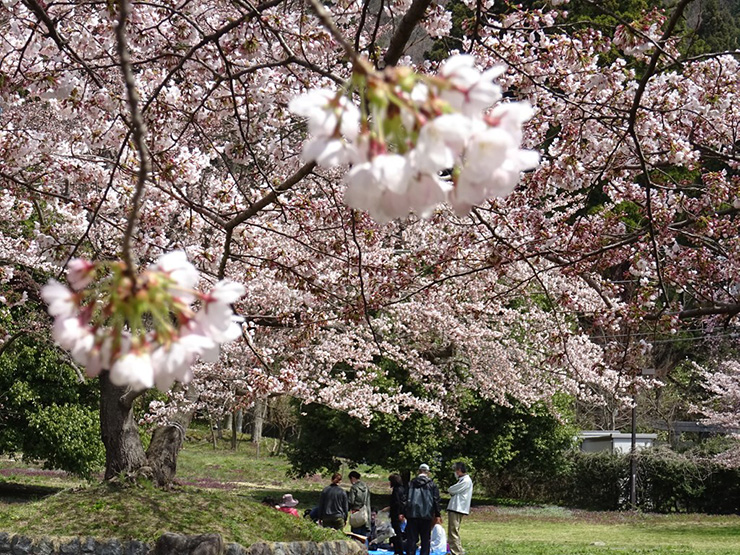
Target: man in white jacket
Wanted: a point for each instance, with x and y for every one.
(459, 506)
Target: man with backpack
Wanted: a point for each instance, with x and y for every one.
(422, 507)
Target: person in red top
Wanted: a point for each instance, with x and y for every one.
(288, 504)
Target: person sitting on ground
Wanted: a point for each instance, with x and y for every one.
(288, 504)
(333, 504)
(270, 502)
(438, 544)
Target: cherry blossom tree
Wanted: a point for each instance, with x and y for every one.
(297, 150)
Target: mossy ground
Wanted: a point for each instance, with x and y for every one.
(139, 511)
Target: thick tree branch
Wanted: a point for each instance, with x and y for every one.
(403, 33)
(728, 309)
(271, 197)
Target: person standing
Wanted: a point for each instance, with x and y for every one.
(422, 506)
(396, 509)
(459, 506)
(333, 504)
(359, 502)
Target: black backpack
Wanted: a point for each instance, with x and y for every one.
(420, 500)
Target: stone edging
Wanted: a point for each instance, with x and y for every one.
(170, 544)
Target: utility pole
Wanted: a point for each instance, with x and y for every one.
(633, 456)
(648, 372)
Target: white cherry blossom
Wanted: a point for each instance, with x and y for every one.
(60, 298)
(133, 369)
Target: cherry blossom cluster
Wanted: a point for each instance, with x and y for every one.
(419, 140)
(143, 329)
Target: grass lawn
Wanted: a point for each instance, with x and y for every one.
(220, 491)
(554, 530)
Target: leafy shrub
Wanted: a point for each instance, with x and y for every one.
(66, 437)
(47, 412)
(667, 482)
(596, 481)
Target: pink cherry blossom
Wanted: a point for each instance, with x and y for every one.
(80, 273)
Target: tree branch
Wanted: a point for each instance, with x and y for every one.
(138, 131)
(63, 45)
(402, 35)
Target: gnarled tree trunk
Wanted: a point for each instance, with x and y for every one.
(124, 452)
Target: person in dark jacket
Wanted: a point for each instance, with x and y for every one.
(422, 507)
(333, 504)
(397, 507)
(359, 500)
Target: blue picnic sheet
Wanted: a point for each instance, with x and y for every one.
(387, 552)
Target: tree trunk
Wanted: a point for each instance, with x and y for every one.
(124, 452)
(240, 420)
(280, 443)
(233, 432)
(167, 441)
(162, 453)
(259, 420)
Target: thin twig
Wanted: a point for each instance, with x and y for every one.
(328, 23)
(63, 45)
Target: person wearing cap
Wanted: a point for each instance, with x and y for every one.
(422, 507)
(288, 505)
(459, 506)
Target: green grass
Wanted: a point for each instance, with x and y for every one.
(554, 530)
(220, 491)
(144, 513)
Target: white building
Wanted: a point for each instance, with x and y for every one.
(614, 441)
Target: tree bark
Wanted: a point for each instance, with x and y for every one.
(167, 441)
(162, 453)
(124, 452)
(259, 420)
(240, 420)
(233, 432)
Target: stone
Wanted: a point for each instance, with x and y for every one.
(20, 545)
(207, 544)
(259, 549)
(43, 547)
(136, 547)
(235, 549)
(71, 548)
(177, 544)
(4, 542)
(89, 545)
(111, 547)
